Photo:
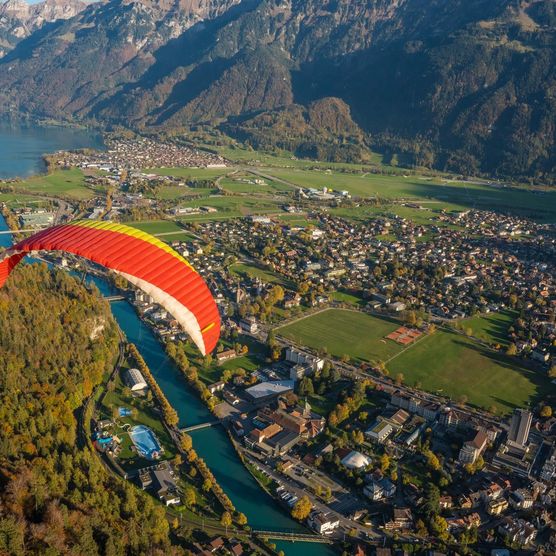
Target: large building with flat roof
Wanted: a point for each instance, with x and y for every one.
(263, 393)
(135, 380)
(520, 426)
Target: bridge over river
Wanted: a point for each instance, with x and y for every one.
(293, 537)
(203, 425)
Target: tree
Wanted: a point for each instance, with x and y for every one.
(546, 411)
(552, 372)
(431, 504)
(512, 349)
(302, 508)
(186, 443)
(226, 520)
(432, 460)
(189, 497)
(306, 387)
(399, 379)
(384, 462)
(241, 519)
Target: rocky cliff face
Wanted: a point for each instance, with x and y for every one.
(465, 85)
(18, 19)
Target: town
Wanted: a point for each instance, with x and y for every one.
(389, 381)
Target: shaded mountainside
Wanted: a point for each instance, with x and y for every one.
(465, 85)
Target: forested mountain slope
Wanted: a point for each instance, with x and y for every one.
(465, 85)
(56, 342)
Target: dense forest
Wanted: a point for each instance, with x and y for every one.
(57, 341)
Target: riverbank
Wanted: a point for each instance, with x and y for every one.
(211, 444)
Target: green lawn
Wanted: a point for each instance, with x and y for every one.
(166, 230)
(252, 271)
(67, 183)
(457, 366)
(174, 192)
(492, 328)
(358, 335)
(346, 297)
(17, 200)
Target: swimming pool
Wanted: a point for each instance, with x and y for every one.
(145, 441)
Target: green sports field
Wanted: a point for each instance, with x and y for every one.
(456, 366)
(448, 363)
(492, 328)
(358, 335)
(166, 230)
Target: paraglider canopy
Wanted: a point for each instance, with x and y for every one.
(145, 261)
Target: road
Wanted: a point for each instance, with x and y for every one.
(300, 490)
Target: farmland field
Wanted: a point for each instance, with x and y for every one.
(456, 366)
(538, 205)
(64, 183)
(358, 335)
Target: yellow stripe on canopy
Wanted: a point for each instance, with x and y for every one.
(130, 231)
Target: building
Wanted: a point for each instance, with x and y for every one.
(548, 471)
(356, 460)
(216, 386)
(249, 326)
(297, 372)
(517, 531)
(472, 449)
(299, 357)
(164, 485)
(263, 393)
(379, 489)
(520, 426)
(135, 380)
(521, 499)
(322, 523)
(380, 431)
(226, 355)
(37, 219)
(496, 507)
(396, 307)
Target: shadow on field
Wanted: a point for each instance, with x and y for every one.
(544, 390)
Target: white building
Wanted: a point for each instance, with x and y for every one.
(356, 460)
(379, 489)
(135, 380)
(380, 431)
(249, 325)
(323, 524)
(299, 357)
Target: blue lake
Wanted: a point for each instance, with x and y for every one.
(23, 145)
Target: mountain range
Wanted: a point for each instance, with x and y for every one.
(18, 19)
(463, 85)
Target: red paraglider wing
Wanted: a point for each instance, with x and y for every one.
(145, 261)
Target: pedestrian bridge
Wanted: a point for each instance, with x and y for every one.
(111, 298)
(202, 426)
